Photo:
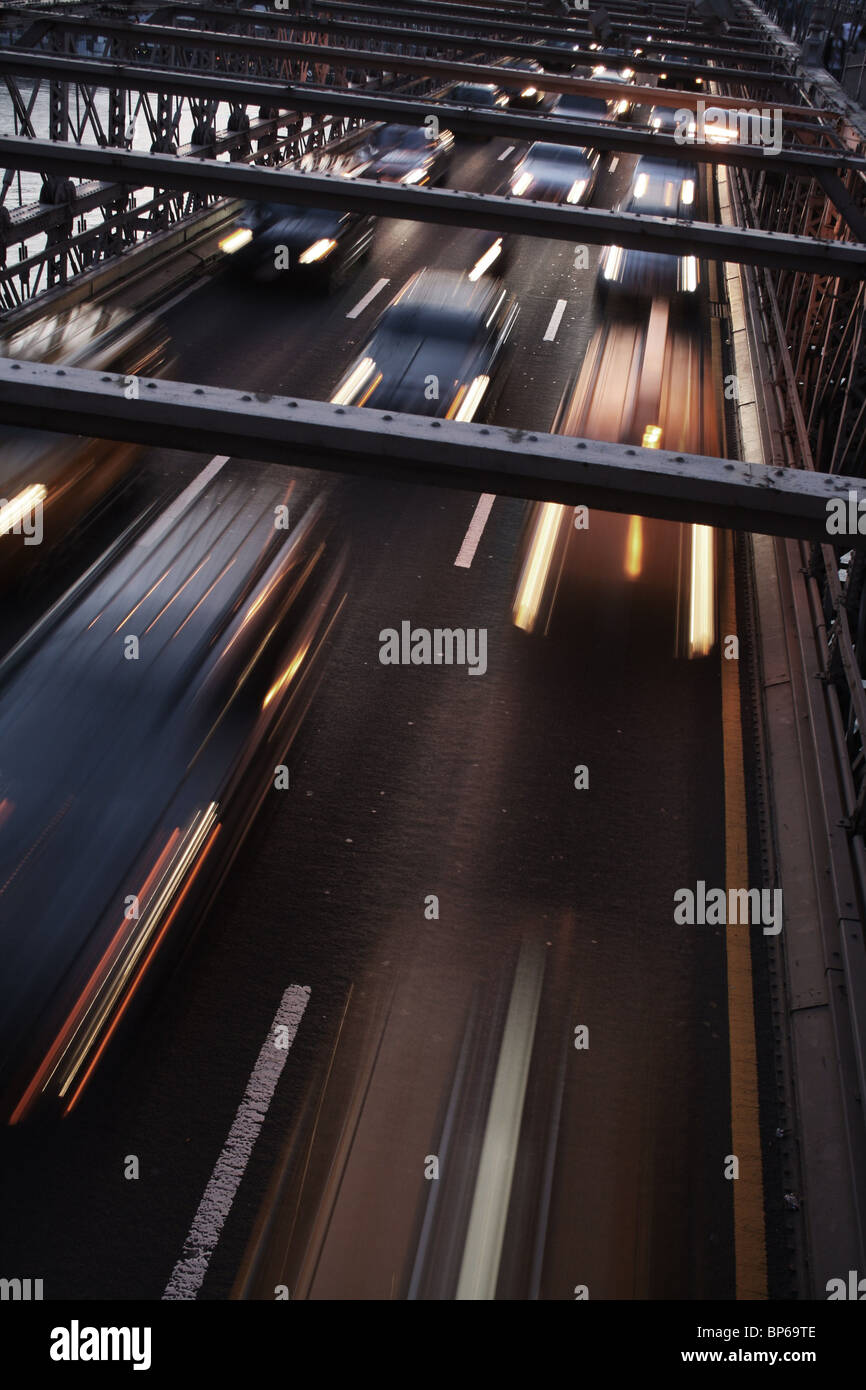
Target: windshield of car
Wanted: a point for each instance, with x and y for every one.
(567, 156)
(584, 106)
(260, 216)
(408, 137)
(429, 321)
(482, 96)
(659, 199)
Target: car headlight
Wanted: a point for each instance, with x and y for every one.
(689, 274)
(318, 251)
(414, 176)
(13, 512)
(468, 399)
(612, 262)
(354, 383)
(485, 262)
(577, 190)
(242, 236)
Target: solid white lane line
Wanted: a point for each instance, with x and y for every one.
(555, 319)
(614, 161)
(506, 153)
(368, 299)
(156, 532)
(479, 1268)
(190, 1270)
(466, 554)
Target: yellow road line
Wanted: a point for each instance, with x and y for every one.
(749, 1229)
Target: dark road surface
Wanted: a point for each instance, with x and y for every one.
(452, 1036)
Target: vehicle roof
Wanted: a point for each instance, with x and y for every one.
(71, 335)
(448, 290)
(545, 153)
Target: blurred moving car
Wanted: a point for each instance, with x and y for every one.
(531, 97)
(140, 725)
(614, 59)
(644, 381)
(405, 154)
(660, 188)
(556, 173)
(683, 81)
(579, 107)
(620, 106)
(313, 244)
(565, 60)
(476, 94)
(438, 349)
(50, 483)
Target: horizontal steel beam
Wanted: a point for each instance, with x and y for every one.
(443, 206)
(412, 448)
(221, 41)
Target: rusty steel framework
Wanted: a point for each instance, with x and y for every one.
(78, 226)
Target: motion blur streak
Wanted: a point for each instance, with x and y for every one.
(13, 512)
(634, 548)
(702, 609)
(536, 568)
(140, 976)
(481, 1254)
(61, 1042)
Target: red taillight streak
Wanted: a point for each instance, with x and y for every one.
(139, 977)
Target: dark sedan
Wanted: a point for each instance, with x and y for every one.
(531, 96)
(660, 188)
(52, 483)
(140, 728)
(438, 349)
(556, 174)
(405, 154)
(318, 246)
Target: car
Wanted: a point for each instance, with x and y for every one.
(681, 81)
(404, 154)
(53, 484)
(440, 348)
(560, 64)
(576, 106)
(128, 785)
(612, 59)
(556, 173)
(485, 96)
(531, 97)
(660, 188)
(319, 246)
(668, 121)
(624, 105)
